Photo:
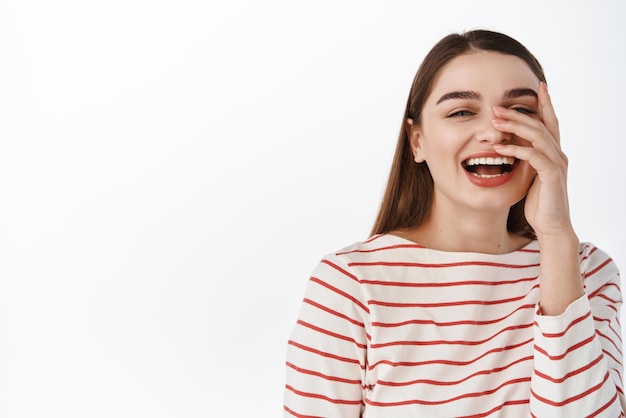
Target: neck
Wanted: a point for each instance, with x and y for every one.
(472, 231)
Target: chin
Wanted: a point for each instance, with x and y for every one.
(500, 202)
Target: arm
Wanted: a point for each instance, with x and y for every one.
(578, 354)
(326, 355)
(547, 206)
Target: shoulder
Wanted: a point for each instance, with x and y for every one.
(382, 246)
(375, 243)
(378, 247)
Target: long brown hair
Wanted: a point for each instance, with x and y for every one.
(408, 197)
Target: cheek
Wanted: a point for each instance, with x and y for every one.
(445, 143)
(528, 173)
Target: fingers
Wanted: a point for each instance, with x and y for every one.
(544, 165)
(541, 130)
(526, 127)
(523, 124)
(548, 116)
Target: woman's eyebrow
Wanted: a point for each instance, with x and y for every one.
(472, 95)
(520, 92)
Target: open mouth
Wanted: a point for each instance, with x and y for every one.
(490, 167)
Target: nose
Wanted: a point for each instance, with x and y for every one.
(486, 132)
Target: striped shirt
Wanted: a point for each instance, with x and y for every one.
(389, 328)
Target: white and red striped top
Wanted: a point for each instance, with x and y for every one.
(389, 328)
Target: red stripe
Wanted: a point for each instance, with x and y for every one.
(605, 297)
(450, 324)
(586, 256)
(456, 382)
(560, 334)
(324, 376)
(569, 350)
(323, 397)
(390, 247)
(374, 238)
(583, 250)
(339, 269)
(326, 354)
(448, 284)
(619, 290)
(331, 334)
(610, 340)
(497, 408)
(610, 326)
(613, 357)
(594, 271)
(449, 362)
(447, 304)
(614, 309)
(573, 398)
(341, 292)
(297, 415)
(605, 406)
(332, 312)
(456, 398)
(442, 265)
(451, 342)
(568, 375)
(619, 377)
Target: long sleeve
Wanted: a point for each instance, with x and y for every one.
(578, 354)
(326, 355)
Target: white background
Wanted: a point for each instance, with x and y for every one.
(172, 171)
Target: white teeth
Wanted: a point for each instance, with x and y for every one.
(490, 161)
(486, 176)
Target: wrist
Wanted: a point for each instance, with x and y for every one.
(561, 281)
(566, 238)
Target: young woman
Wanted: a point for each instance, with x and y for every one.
(473, 297)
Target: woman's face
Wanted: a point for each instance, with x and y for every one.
(455, 134)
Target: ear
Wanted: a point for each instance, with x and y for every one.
(415, 139)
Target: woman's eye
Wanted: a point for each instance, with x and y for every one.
(460, 114)
(524, 110)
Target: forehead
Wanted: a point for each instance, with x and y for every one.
(486, 72)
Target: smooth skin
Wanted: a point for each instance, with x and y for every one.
(470, 218)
